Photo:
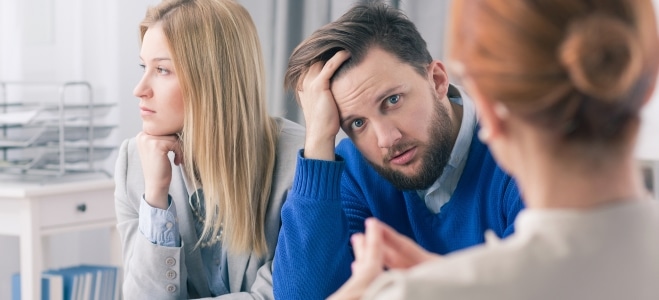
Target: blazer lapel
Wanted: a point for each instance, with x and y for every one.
(237, 265)
(181, 190)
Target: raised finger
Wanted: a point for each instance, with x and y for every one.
(332, 65)
(357, 241)
(373, 243)
(310, 75)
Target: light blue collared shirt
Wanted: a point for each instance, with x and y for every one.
(161, 227)
(440, 192)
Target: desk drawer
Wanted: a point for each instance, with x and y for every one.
(76, 208)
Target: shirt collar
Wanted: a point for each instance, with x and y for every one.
(453, 170)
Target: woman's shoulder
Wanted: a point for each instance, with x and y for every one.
(289, 128)
(291, 135)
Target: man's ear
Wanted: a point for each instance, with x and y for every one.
(437, 75)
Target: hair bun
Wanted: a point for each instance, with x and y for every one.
(602, 56)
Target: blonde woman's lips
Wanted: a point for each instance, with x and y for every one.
(146, 112)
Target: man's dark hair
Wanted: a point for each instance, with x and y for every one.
(366, 25)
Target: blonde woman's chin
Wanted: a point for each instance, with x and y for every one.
(155, 130)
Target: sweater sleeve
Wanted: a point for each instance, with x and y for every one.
(313, 253)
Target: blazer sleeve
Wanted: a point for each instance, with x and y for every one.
(150, 271)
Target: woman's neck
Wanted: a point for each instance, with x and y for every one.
(579, 179)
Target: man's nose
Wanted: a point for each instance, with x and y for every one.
(387, 134)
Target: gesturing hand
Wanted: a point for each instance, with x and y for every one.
(400, 252)
(320, 112)
(380, 246)
(368, 264)
(156, 166)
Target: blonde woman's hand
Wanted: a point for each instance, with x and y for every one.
(319, 107)
(156, 167)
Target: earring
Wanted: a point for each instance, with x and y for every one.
(484, 134)
(501, 110)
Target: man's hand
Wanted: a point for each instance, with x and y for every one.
(319, 107)
(156, 166)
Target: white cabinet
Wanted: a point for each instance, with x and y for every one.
(32, 211)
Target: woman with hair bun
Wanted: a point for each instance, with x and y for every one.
(559, 86)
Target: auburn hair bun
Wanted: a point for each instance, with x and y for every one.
(602, 56)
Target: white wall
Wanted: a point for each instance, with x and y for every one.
(67, 40)
(648, 145)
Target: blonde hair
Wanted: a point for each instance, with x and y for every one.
(578, 69)
(228, 139)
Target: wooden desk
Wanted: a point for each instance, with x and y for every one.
(31, 211)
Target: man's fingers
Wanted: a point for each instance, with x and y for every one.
(333, 64)
(319, 74)
(310, 76)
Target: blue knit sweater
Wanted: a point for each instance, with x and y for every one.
(330, 200)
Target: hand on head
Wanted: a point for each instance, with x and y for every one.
(156, 166)
(319, 107)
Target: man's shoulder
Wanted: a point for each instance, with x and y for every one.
(481, 165)
(346, 148)
(352, 157)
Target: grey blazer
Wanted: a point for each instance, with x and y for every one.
(156, 272)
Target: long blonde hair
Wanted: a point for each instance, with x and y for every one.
(228, 139)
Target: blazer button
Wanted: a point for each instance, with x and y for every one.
(171, 288)
(170, 274)
(170, 261)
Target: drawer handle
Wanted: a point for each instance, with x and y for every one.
(81, 207)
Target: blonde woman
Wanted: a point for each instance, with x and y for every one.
(199, 190)
(559, 86)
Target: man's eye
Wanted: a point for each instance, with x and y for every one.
(393, 99)
(357, 123)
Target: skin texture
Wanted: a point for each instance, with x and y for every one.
(161, 107)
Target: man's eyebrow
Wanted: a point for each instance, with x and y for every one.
(387, 92)
(378, 98)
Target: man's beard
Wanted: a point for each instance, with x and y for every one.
(433, 161)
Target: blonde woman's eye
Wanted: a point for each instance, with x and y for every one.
(162, 71)
(143, 67)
